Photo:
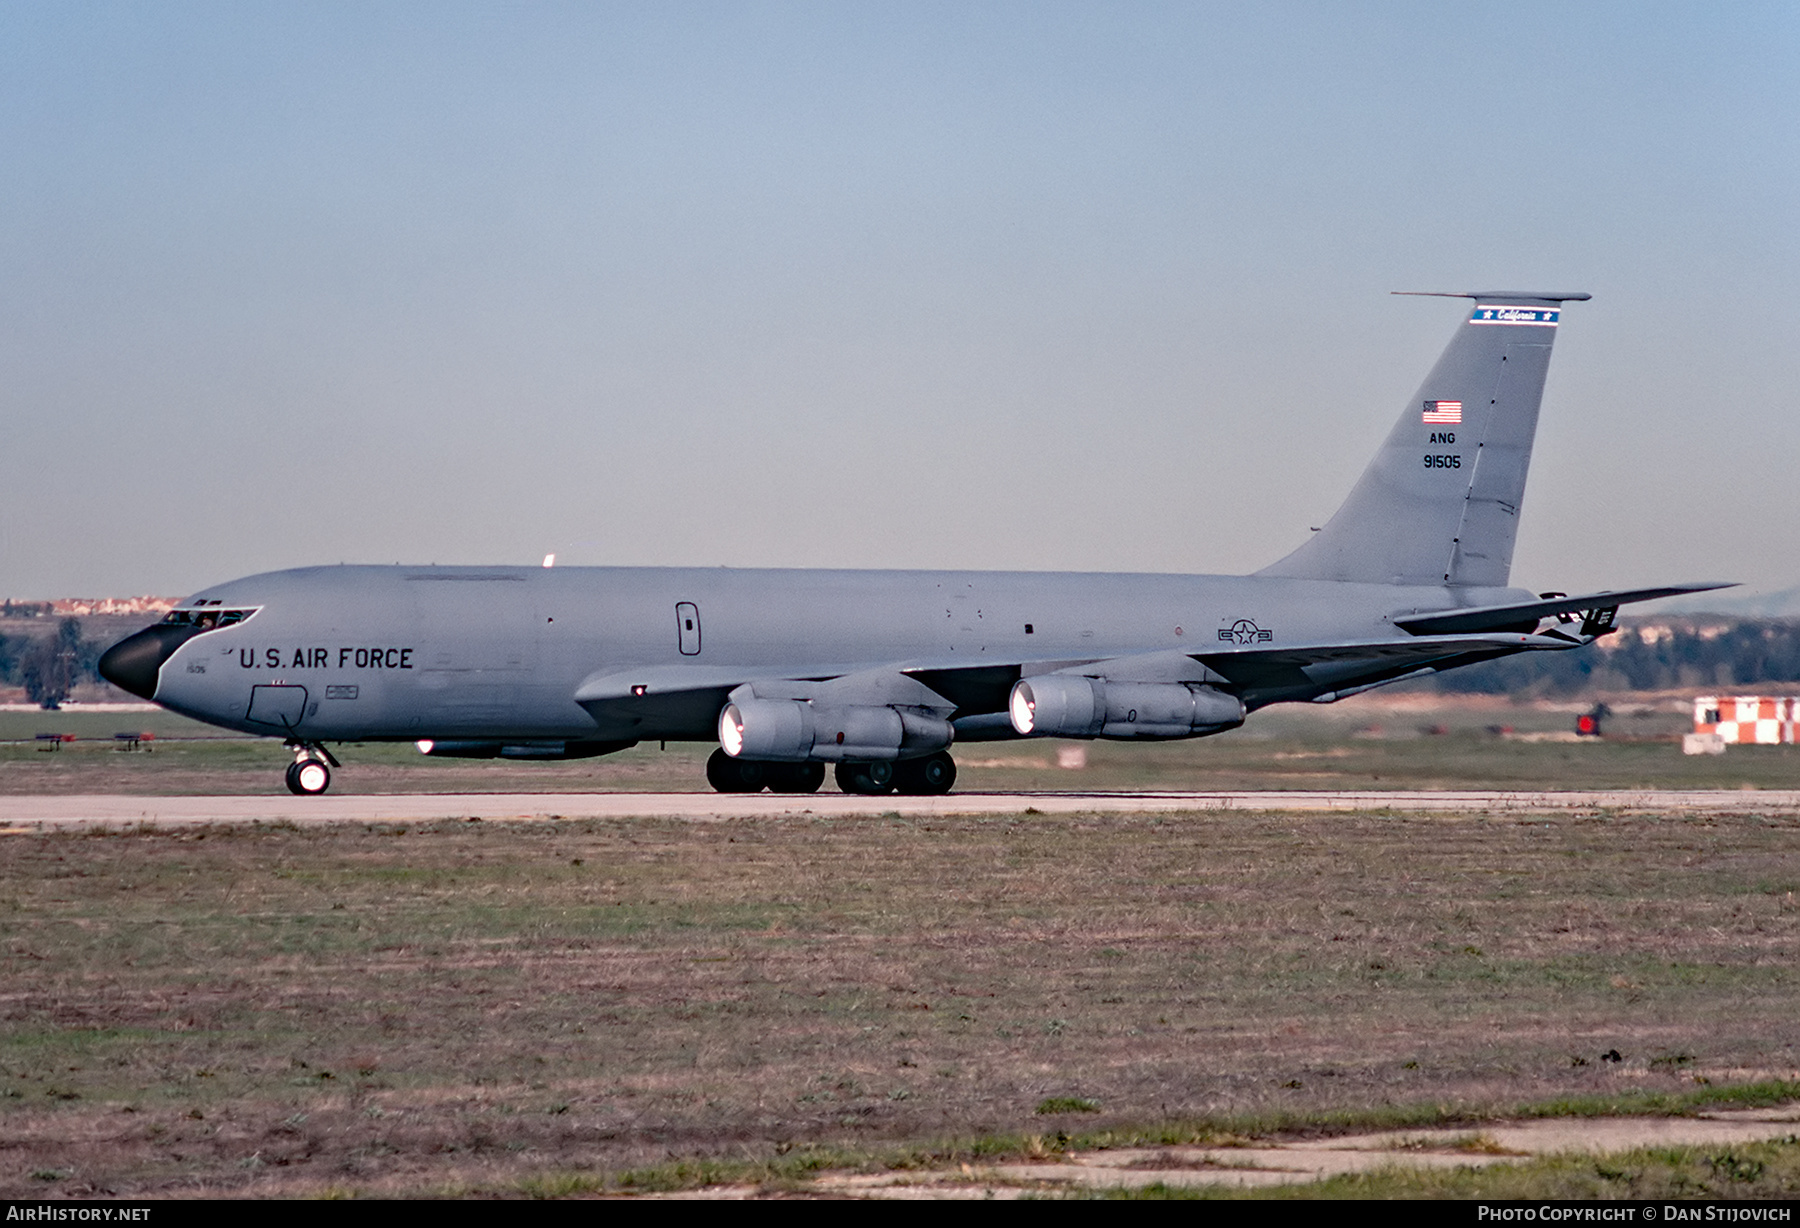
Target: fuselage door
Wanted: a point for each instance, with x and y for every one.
(687, 628)
(280, 706)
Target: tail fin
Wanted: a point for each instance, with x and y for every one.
(1439, 504)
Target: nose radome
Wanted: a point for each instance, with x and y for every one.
(135, 661)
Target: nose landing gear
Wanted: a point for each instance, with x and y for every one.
(310, 773)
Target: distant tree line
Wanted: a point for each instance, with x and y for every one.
(50, 666)
(1686, 654)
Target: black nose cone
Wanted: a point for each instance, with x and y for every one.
(134, 662)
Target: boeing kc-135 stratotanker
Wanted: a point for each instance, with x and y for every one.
(879, 672)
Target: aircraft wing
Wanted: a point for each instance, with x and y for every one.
(689, 696)
(1259, 675)
(1320, 672)
(659, 696)
(1526, 615)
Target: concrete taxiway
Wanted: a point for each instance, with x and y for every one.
(20, 813)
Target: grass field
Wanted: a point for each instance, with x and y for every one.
(1387, 742)
(568, 1006)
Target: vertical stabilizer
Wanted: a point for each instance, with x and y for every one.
(1440, 502)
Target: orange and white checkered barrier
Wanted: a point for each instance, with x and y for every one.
(1745, 720)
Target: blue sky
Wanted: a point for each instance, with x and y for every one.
(1035, 286)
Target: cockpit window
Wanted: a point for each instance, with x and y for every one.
(206, 620)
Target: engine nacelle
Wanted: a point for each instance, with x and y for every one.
(1072, 706)
(795, 731)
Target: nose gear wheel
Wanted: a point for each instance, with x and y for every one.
(310, 773)
(308, 777)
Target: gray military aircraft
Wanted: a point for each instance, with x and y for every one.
(879, 672)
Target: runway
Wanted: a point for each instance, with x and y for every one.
(24, 814)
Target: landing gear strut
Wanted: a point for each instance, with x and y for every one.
(310, 773)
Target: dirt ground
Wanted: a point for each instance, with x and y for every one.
(546, 1006)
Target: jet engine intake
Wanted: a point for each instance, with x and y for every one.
(795, 731)
(1073, 706)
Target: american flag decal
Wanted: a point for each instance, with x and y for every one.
(1444, 411)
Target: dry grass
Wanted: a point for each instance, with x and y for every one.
(470, 1006)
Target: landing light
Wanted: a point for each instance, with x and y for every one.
(424, 745)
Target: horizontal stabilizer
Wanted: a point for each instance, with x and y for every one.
(1526, 614)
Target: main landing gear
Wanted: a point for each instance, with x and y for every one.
(931, 775)
(729, 775)
(310, 773)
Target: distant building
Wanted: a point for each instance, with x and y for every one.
(114, 605)
(76, 607)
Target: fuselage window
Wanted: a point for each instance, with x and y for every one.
(205, 620)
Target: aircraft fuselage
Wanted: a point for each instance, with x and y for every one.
(407, 653)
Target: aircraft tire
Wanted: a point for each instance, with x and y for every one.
(930, 776)
(869, 779)
(728, 775)
(796, 777)
(308, 778)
